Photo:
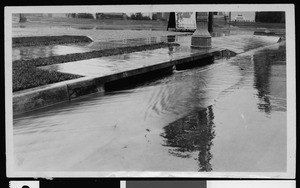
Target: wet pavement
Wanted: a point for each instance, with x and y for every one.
(235, 43)
(25, 53)
(96, 35)
(103, 66)
(227, 116)
(33, 52)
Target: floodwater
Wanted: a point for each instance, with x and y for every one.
(33, 52)
(226, 116)
(234, 43)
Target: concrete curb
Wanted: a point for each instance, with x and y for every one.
(43, 96)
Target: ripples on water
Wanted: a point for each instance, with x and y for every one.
(185, 109)
(262, 74)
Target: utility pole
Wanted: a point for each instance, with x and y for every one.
(210, 22)
(22, 18)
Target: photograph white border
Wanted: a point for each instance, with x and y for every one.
(291, 83)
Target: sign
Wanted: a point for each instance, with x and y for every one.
(185, 21)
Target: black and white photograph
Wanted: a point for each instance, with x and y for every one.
(150, 91)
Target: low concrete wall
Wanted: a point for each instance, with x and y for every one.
(44, 96)
(39, 98)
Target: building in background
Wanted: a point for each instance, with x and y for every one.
(242, 16)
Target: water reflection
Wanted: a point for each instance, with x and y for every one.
(220, 33)
(32, 52)
(171, 50)
(264, 62)
(26, 53)
(192, 133)
(171, 38)
(201, 119)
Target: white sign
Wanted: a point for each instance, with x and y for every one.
(185, 21)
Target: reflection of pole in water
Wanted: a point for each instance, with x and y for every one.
(263, 62)
(262, 70)
(206, 134)
(171, 50)
(192, 133)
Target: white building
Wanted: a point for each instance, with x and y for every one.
(242, 16)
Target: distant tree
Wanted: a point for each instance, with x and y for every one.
(132, 17)
(146, 18)
(154, 16)
(71, 15)
(99, 15)
(138, 16)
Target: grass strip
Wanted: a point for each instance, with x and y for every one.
(26, 75)
(29, 77)
(48, 40)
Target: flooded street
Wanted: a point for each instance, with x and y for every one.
(226, 116)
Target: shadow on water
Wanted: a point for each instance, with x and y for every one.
(192, 133)
(264, 61)
(137, 80)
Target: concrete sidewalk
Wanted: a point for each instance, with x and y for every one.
(98, 72)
